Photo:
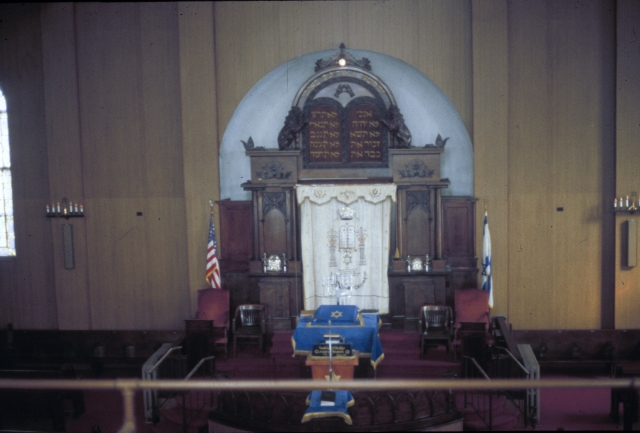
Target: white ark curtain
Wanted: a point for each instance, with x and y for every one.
(345, 228)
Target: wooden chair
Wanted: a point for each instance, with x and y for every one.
(435, 325)
(213, 304)
(249, 323)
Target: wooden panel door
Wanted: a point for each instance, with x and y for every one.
(459, 231)
(235, 235)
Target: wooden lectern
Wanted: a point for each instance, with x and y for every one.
(199, 340)
(342, 366)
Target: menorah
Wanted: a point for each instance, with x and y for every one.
(340, 284)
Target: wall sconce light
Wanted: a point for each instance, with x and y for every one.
(65, 209)
(342, 61)
(629, 204)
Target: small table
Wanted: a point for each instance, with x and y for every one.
(365, 338)
(342, 366)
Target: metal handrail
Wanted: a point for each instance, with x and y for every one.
(128, 386)
(473, 360)
(476, 405)
(522, 367)
(192, 372)
(167, 353)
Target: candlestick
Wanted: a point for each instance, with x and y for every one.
(64, 209)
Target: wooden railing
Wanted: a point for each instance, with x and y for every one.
(128, 386)
(283, 411)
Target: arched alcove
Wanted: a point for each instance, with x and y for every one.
(427, 112)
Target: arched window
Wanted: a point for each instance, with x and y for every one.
(7, 236)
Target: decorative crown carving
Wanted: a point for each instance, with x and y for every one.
(349, 60)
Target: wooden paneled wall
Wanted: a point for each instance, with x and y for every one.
(123, 120)
(122, 107)
(545, 145)
(627, 293)
(27, 288)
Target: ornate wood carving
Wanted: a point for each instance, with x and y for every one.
(273, 170)
(348, 60)
(418, 199)
(394, 121)
(274, 200)
(416, 168)
(293, 124)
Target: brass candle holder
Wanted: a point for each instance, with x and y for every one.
(65, 209)
(629, 204)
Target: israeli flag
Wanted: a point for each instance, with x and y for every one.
(487, 278)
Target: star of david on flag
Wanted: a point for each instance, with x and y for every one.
(213, 269)
(487, 278)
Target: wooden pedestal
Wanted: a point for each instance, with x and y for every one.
(342, 366)
(199, 340)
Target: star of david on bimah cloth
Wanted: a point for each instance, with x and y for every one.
(332, 376)
(336, 314)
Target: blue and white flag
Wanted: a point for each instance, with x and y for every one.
(487, 278)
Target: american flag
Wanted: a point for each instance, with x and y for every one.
(213, 269)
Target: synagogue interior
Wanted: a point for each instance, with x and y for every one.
(364, 190)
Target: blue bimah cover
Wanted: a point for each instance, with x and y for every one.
(318, 409)
(339, 315)
(359, 329)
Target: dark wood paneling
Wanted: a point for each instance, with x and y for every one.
(235, 235)
(464, 278)
(274, 293)
(242, 289)
(459, 231)
(418, 239)
(274, 233)
(419, 291)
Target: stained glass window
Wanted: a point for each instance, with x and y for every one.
(7, 236)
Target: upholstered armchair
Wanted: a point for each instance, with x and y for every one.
(213, 304)
(472, 321)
